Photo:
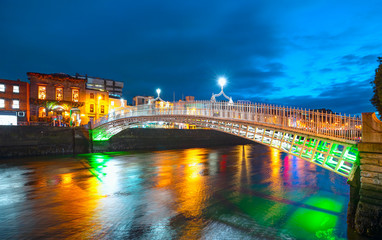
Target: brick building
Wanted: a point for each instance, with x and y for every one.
(14, 102)
(57, 98)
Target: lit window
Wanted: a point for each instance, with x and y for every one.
(2, 103)
(102, 109)
(103, 97)
(91, 108)
(112, 103)
(41, 92)
(2, 87)
(16, 89)
(15, 104)
(59, 94)
(91, 95)
(41, 112)
(75, 95)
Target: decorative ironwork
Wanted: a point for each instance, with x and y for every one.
(222, 82)
(325, 139)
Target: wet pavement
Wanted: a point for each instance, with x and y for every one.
(238, 192)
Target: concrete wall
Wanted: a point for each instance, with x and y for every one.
(21, 141)
(365, 206)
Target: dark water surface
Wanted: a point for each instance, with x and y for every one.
(239, 192)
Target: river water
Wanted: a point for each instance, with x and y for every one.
(237, 192)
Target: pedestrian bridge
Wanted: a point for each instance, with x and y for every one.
(325, 139)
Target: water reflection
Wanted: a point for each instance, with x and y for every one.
(239, 192)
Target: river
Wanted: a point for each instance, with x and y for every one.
(235, 192)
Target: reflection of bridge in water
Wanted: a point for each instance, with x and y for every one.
(325, 139)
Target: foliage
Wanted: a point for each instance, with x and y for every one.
(376, 100)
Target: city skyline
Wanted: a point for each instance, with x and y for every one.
(313, 54)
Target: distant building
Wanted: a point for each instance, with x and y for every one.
(113, 87)
(190, 98)
(139, 100)
(14, 102)
(116, 103)
(57, 98)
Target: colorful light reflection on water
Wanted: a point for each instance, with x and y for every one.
(239, 192)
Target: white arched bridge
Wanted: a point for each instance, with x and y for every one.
(325, 139)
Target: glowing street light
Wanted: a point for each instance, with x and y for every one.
(158, 98)
(222, 81)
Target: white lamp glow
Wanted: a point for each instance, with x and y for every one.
(158, 91)
(222, 81)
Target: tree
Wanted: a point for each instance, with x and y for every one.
(376, 100)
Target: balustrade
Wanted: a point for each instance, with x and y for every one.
(309, 121)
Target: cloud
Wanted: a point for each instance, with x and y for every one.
(351, 97)
(326, 70)
(182, 47)
(352, 59)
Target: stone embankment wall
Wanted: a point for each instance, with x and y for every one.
(21, 141)
(156, 139)
(365, 206)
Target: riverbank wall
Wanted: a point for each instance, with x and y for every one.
(159, 139)
(365, 205)
(24, 141)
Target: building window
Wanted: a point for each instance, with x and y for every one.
(42, 92)
(102, 109)
(41, 112)
(16, 89)
(15, 104)
(103, 97)
(2, 87)
(91, 95)
(59, 94)
(92, 108)
(2, 103)
(75, 95)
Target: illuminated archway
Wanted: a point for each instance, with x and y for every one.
(41, 112)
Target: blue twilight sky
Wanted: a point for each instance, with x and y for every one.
(306, 53)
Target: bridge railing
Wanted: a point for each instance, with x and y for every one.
(310, 121)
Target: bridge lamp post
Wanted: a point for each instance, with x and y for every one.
(222, 81)
(158, 98)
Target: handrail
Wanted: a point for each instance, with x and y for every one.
(311, 121)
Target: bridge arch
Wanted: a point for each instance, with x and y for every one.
(334, 154)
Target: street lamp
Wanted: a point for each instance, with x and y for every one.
(158, 98)
(222, 81)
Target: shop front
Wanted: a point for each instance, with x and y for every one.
(59, 114)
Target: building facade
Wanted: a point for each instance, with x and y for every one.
(113, 87)
(14, 102)
(57, 99)
(97, 105)
(116, 103)
(190, 98)
(139, 100)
